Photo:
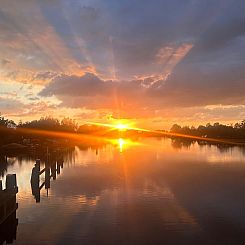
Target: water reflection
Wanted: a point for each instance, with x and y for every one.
(8, 229)
(178, 143)
(121, 144)
(145, 192)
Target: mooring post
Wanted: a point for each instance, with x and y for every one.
(58, 167)
(47, 177)
(35, 179)
(53, 170)
(8, 199)
(11, 182)
(38, 163)
(35, 175)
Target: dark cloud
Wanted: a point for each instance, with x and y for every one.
(4, 62)
(92, 92)
(139, 95)
(44, 76)
(87, 85)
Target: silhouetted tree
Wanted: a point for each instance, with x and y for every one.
(216, 130)
(52, 124)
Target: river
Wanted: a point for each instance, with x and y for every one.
(147, 191)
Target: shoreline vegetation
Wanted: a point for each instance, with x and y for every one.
(53, 133)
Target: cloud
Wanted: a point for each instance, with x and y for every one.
(43, 76)
(7, 105)
(91, 92)
(139, 97)
(4, 62)
(87, 85)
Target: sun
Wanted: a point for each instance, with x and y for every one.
(121, 127)
(122, 124)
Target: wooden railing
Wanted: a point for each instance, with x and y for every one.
(50, 170)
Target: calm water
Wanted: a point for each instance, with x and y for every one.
(153, 191)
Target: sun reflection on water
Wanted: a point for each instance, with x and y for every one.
(122, 144)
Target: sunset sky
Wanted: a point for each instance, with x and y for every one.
(155, 62)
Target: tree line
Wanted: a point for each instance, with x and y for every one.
(10, 131)
(44, 123)
(216, 130)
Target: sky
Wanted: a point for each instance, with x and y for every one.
(155, 62)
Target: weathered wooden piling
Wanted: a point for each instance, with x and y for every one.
(35, 175)
(8, 203)
(38, 163)
(47, 178)
(11, 182)
(53, 170)
(35, 179)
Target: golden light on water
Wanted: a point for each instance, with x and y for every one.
(121, 142)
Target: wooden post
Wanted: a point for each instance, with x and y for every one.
(8, 203)
(53, 170)
(8, 207)
(38, 163)
(47, 178)
(35, 179)
(35, 175)
(11, 182)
